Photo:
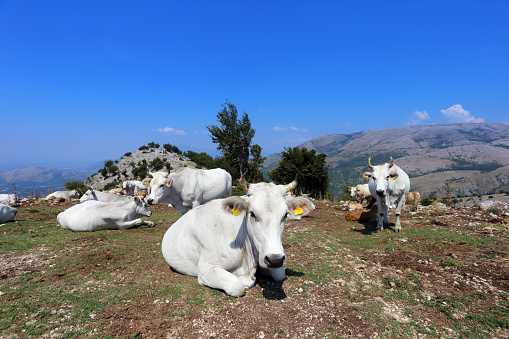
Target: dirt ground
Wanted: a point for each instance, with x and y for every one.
(300, 306)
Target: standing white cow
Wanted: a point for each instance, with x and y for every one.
(92, 194)
(389, 184)
(224, 241)
(360, 192)
(133, 187)
(7, 213)
(63, 194)
(189, 187)
(95, 215)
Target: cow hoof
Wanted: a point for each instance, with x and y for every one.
(149, 223)
(398, 229)
(380, 230)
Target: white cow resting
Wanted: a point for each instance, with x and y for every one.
(360, 192)
(7, 213)
(63, 194)
(95, 215)
(224, 241)
(132, 187)
(92, 194)
(389, 184)
(189, 187)
(8, 199)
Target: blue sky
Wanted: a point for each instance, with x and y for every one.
(85, 81)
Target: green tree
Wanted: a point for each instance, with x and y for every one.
(234, 136)
(76, 185)
(309, 167)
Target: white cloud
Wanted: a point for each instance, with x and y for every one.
(418, 118)
(292, 128)
(456, 113)
(172, 130)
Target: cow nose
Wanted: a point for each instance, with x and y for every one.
(149, 201)
(274, 261)
(380, 193)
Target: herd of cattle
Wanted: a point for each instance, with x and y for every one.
(219, 238)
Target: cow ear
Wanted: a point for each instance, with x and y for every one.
(235, 205)
(136, 199)
(168, 182)
(299, 207)
(393, 176)
(367, 175)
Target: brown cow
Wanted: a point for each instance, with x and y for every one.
(414, 197)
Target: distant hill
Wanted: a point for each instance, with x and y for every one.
(41, 179)
(473, 157)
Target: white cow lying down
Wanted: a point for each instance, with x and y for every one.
(94, 215)
(224, 241)
(63, 194)
(92, 194)
(7, 213)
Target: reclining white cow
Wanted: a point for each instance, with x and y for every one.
(360, 192)
(95, 215)
(189, 187)
(389, 184)
(8, 199)
(63, 194)
(7, 213)
(224, 241)
(92, 194)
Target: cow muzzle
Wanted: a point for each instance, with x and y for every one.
(150, 201)
(275, 261)
(380, 193)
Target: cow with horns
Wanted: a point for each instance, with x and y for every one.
(224, 241)
(389, 184)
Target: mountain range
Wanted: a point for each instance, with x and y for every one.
(473, 158)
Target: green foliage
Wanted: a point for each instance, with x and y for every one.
(173, 149)
(113, 169)
(311, 169)
(143, 148)
(157, 164)
(111, 185)
(127, 154)
(75, 185)
(108, 163)
(233, 138)
(153, 145)
(103, 172)
(428, 201)
(203, 159)
(141, 171)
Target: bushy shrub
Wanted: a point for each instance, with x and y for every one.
(153, 145)
(127, 154)
(143, 148)
(75, 185)
(112, 169)
(108, 163)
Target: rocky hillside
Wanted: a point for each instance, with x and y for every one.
(473, 157)
(135, 166)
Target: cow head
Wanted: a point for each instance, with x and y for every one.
(141, 207)
(159, 186)
(265, 210)
(89, 195)
(380, 177)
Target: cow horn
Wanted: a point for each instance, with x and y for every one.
(244, 184)
(392, 163)
(291, 186)
(369, 163)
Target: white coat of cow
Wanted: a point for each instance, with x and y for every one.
(360, 192)
(92, 194)
(8, 199)
(133, 187)
(63, 194)
(389, 184)
(224, 241)
(189, 187)
(7, 213)
(94, 215)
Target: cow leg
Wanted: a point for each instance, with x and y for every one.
(371, 203)
(380, 217)
(217, 277)
(123, 225)
(397, 211)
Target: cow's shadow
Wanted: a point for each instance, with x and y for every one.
(273, 290)
(370, 228)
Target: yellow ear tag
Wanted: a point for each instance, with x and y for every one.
(298, 211)
(235, 211)
(393, 178)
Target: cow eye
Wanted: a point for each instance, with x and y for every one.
(253, 215)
